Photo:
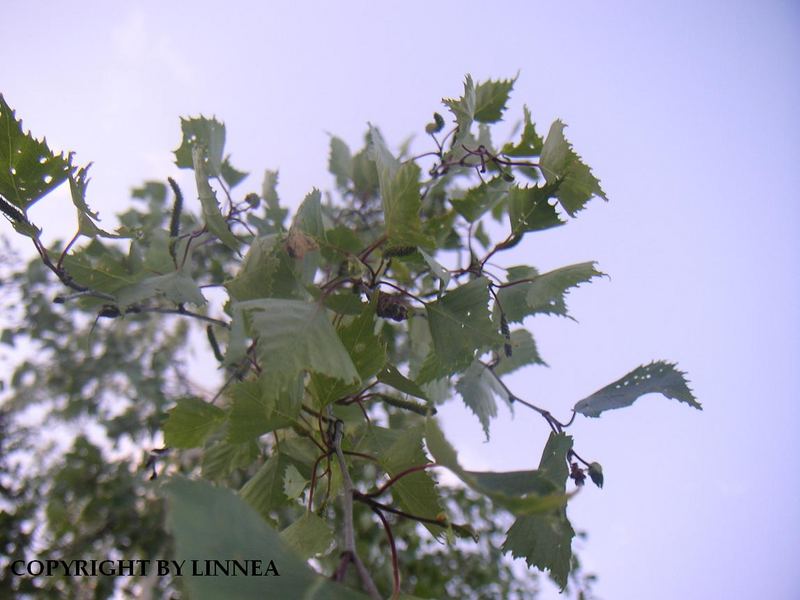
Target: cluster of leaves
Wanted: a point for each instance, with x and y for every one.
(338, 334)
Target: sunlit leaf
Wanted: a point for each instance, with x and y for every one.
(309, 536)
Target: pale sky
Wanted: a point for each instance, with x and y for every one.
(687, 111)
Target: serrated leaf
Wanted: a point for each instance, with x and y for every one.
(267, 271)
(366, 350)
(223, 458)
(530, 143)
(96, 268)
(264, 490)
(658, 377)
(491, 98)
(296, 336)
(340, 162)
(28, 168)
(86, 217)
(230, 174)
(309, 536)
(258, 408)
(523, 353)
(206, 133)
(190, 422)
(544, 293)
(400, 194)
(463, 108)
(477, 200)
(545, 540)
(478, 388)
(521, 492)
(209, 522)
(308, 217)
(208, 200)
(529, 208)
(460, 325)
(559, 162)
(396, 451)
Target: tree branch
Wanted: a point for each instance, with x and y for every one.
(347, 509)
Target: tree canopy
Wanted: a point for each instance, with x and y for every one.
(336, 331)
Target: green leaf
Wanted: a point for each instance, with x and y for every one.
(231, 175)
(340, 162)
(491, 98)
(223, 458)
(559, 162)
(86, 217)
(212, 523)
(545, 540)
(521, 492)
(397, 451)
(442, 274)
(211, 214)
(28, 168)
(293, 483)
(658, 377)
(523, 352)
(97, 268)
(366, 350)
(394, 378)
(309, 536)
(308, 217)
(267, 271)
(190, 422)
(460, 326)
(478, 388)
(264, 490)
(400, 194)
(258, 408)
(463, 108)
(480, 199)
(530, 143)
(529, 208)
(296, 336)
(543, 294)
(176, 287)
(205, 133)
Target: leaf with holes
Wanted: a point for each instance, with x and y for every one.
(658, 377)
(28, 168)
(206, 133)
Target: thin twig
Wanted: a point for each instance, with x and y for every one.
(347, 509)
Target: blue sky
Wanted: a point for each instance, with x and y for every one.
(687, 111)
